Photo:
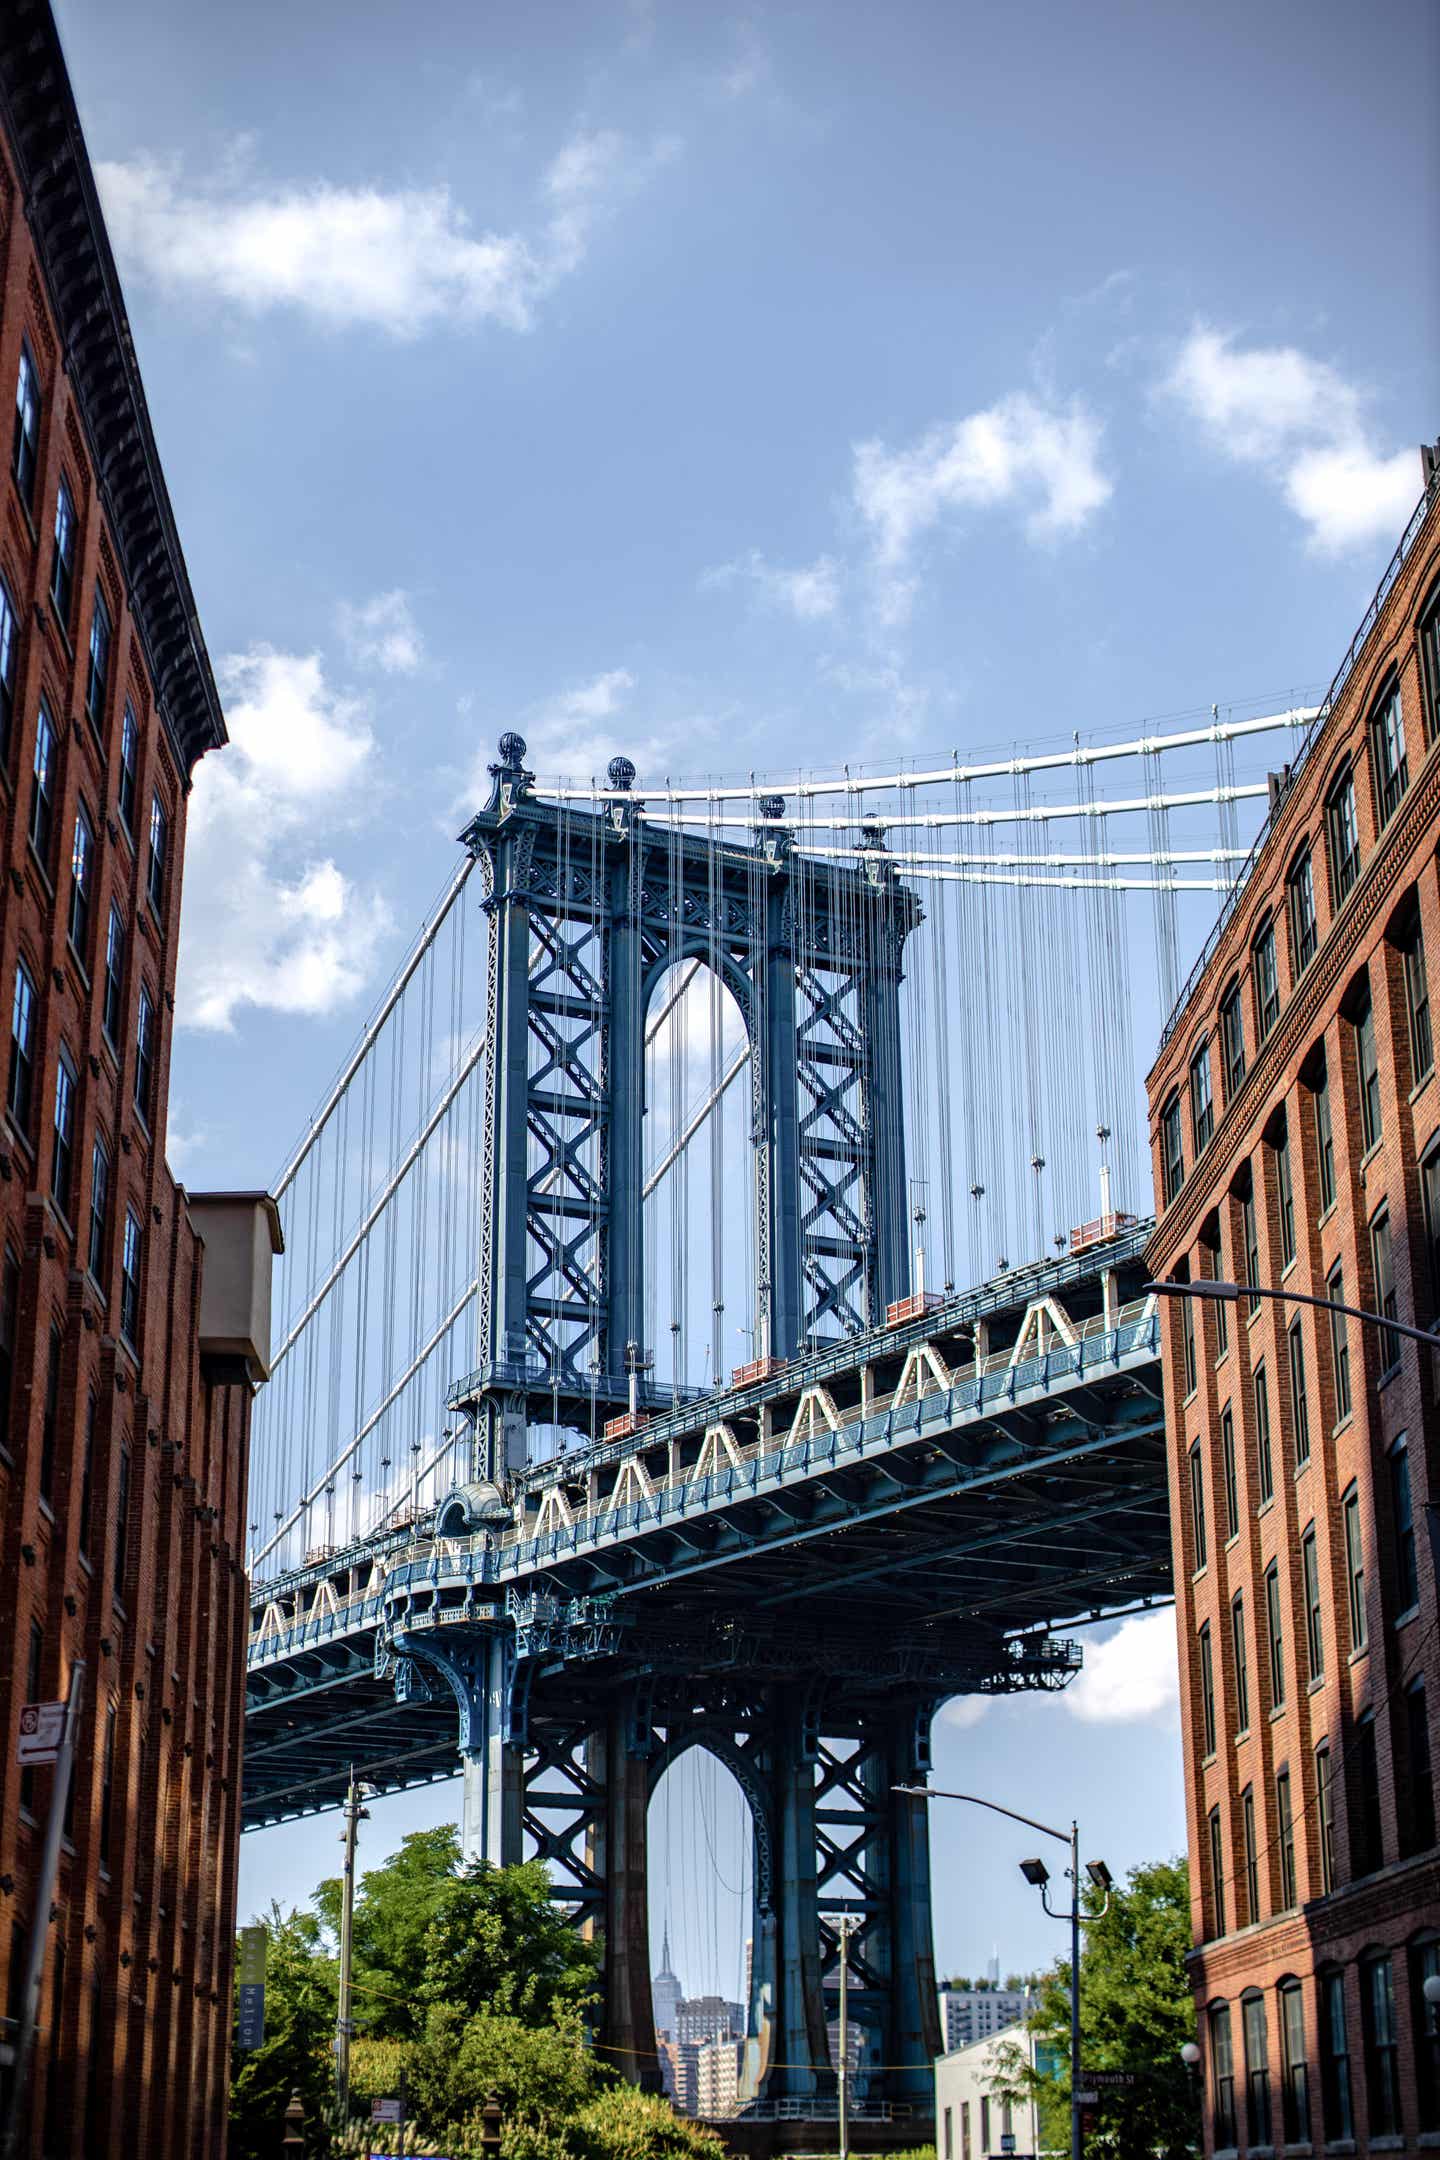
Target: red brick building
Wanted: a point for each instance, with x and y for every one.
(133, 1317)
(1295, 1123)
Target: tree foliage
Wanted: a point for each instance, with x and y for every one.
(1136, 2013)
(299, 2029)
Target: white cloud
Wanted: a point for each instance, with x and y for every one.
(399, 260)
(809, 594)
(1130, 1676)
(1043, 457)
(1302, 422)
(382, 632)
(963, 1711)
(267, 918)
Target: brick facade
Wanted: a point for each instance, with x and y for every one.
(1303, 1458)
(122, 1446)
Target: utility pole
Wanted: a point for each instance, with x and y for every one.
(40, 1918)
(847, 1923)
(354, 1816)
(1077, 2136)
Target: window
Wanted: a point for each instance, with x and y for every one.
(1207, 1688)
(1335, 2058)
(1257, 2070)
(1382, 1260)
(114, 975)
(1387, 752)
(1285, 1840)
(122, 1522)
(1274, 1621)
(1420, 1826)
(1222, 1310)
(1382, 2052)
(949, 2134)
(130, 1281)
(129, 766)
(159, 840)
(1285, 1198)
(1402, 1522)
(82, 881)
(1263, 1454)
(50, 1420)
(42, 794)
(1430, 1192)
(98, 678)
(107, 1786)
(1197, 1505)
(1324, 1141)
(1232, 1480)
(965, 2130)
(9, 641)
(1430, 667)
(1339, 1343)
(1294, 2070)
(1202, 1099)
(1242, 1666)
(1250, 1236)
(87, 1480)
(25, 449)
(1325, 1817)
(1222, 2074)
(1172, 1159)
(985, 2123)
(1366, 1834)
(1304, 935)
(9, 1323)
(1187, 1342)
(62, 1161)
(144, 1053)
(21, 1091)
(1354, 1567)
(1344, 836)
(1314, 1614)
(1232, 1039)
(1267, 982)
(62, 567)
(99, 1207)
(1417, 1003)
(1299, 1406)
(1367, 1069)
(1252, 1855)
(1217, 1871)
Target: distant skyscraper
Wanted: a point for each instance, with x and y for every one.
(666, 1992)
(971, 2014)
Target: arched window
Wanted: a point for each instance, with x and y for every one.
(1387, 752)
(1300, 899)
(1172, 1152)
(1425, 2024)
(1257, 2069)
(1430, 666)
(1335, 2080)
(1294, 2069)
(1202, 1098)
(1232, 1038)
(1343, 834)
(1266, 977)
(1382, 2045)
(1222, 2074)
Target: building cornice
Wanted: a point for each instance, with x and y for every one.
(62, 209)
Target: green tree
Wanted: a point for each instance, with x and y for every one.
(299, 2032)
(1136, 2013)
(394, 1907)
(541, 2075)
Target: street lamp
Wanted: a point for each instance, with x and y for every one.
(1037, 1875)
(1230, 1293)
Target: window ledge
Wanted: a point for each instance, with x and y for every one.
(1232, 1541)
(1289, 1268)
(1265, 1507)
(1316, 1684)
(1341, 2145)
(1357, 1657)
(1198, 1575)
(1391, 1372)
(1365, 1161)
(1344, 1424)
(1420, 1085)
(1387, 2144)
(1428, 2140)
(1411, 1612)
(38, 867)
(1302, 1467)
(1302, 2145)
(1277, 1711)
(1243, 1736)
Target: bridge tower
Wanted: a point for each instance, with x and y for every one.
(587, 910)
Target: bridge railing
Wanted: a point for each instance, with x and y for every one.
(487, 1557)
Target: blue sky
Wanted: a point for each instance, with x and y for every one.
(740, 389)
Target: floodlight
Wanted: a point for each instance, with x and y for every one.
(1099, 1874)
(1035, 1873)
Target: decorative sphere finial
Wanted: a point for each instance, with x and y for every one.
(621, 774)
(512, 750)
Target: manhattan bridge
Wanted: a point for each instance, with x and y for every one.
(712, 1318)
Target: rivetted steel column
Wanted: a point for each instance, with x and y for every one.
(885, 1105)
(625, 1090)
(901, 1876)
(624, 1860)
(800, 2050)
(480, 1671)
(781, 1132)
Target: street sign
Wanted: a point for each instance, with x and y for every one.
(1007, 2141)
(1109, 2080)
(1087, 2099)
(254, 1942)
(386, 2110)
(42, 1727)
